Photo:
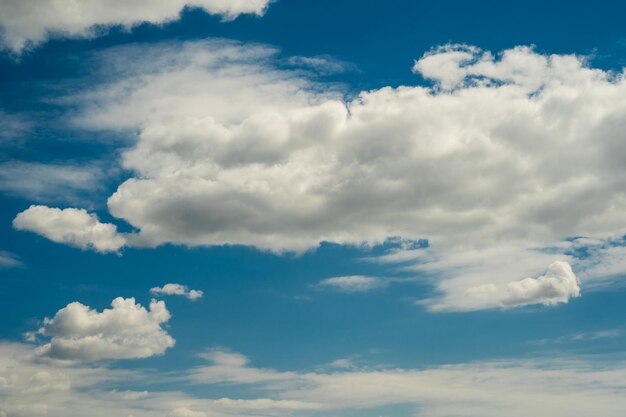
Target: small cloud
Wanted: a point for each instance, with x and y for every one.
(185, 412)
(558, 285)
(342, 364)
(177, 289)
(75, 227)
(353, 283)
(125, 331)
(323, 64)
(580, 337)
(9, 260)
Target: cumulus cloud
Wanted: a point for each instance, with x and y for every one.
(511, 152)
(24, 25)
(353, 283)
(177, 289)
(126, 331)
(558, 285)
(71, 226)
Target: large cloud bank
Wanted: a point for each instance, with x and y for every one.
(514, 151)
(35, 388)
(26, 24)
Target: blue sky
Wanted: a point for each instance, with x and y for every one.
(312, 208)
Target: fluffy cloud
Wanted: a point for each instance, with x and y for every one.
(558, 285)
(353, 283)
(71, 226)
(126, 331)
(177, 289)
(502, 156)
(24, 25)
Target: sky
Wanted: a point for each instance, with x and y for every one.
(312, 208)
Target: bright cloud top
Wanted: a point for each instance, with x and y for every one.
(515, 151)
(125, 331)
(177, 289)
(26, 24)
(353, 283)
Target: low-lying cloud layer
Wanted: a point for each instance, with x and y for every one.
(34, 388)
(27, 24)
(515, 151)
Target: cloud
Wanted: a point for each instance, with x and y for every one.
(46, 182)
(503, 156)
(14, 127)
(558, 285)
(483, 389)
(126, 331)
(185, 412)
(74, 227)
(30, 387)
(24, 26)
(322, 64)
(177, 289)
(9, 260)
(353, 283)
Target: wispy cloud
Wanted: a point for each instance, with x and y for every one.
(353, 283)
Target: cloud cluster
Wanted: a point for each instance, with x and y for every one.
(71, 226)
(514, 151)
(24, 25)
(177, 289)
(126, 331)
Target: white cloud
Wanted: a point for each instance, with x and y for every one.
(126, 331)
(505, 155)
(46, 182)
(24, 25)
(177, 289)
(30, 388)
(71, 226)
(185, 412)
(353, 283)
(481, 389)
(558, 285)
